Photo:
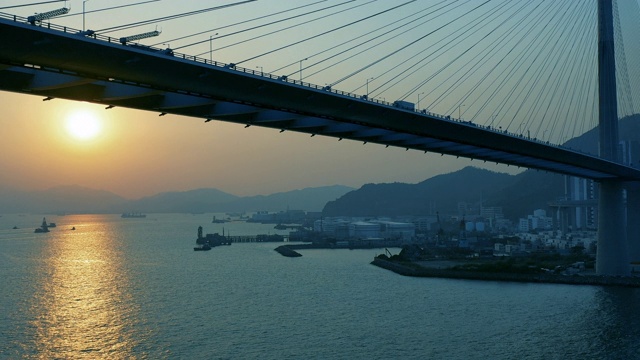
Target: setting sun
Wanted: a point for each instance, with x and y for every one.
(83, 125)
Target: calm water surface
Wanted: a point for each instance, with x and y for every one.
(135, 289)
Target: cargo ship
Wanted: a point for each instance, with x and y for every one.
(133, 215)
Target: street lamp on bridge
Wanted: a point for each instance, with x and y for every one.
(418, 103)
(460, 106)
(211, 46)
(301, 67)
(83, 2)
(369, 79)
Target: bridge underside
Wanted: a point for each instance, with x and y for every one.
(54, 64)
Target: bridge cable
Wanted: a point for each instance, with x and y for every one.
(31, 4)
(393, 37)
(518, 61)
(585, 82)
(377, 44)
(499, 43)
(576, 49)
(239, 23)
(355, 38)
(405, 46)
(507, 77)
(170, 17)
(275, 22)
(487, 51)
(291, 26)
(629, 25)
(541, 73)
(449, 44)
(564, 62)
(511, 66)
(559, 80)
(396, 79)
(573, 78)
(327, 32)
(625, 98)
(108, 8)
(527, 89)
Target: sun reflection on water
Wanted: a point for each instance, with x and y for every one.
(83, 306)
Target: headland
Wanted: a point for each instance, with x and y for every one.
(422, 269)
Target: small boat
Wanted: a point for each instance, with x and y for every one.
(15, 227)
(52, 225)
(73, 228)
(203, 247)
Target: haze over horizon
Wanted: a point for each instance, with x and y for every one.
(135, 154)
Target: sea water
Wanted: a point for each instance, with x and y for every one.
(135, 289)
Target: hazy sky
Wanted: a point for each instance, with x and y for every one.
(137, 153)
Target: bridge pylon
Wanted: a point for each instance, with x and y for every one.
(633, 221)
(612, 257)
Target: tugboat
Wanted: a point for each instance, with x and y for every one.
(44, 228)
(203, 247)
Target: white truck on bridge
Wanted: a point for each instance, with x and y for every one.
(405, 105)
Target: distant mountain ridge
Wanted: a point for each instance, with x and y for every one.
(78, 199)
(518, 195)
(439, 193)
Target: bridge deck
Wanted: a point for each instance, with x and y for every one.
(59, 63)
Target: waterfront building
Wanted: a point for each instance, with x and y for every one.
(282, 217)
(397, 230)
(523, 225)
(364, 230)
(491, 212)
(425, 223)
(583, 193)
(538, 221)
(329, 226)
(341, 228)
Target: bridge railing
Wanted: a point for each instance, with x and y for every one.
(254, 72)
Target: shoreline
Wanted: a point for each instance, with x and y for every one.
(414, 270)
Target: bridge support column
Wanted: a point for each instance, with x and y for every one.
(612, 257)
(633, 221)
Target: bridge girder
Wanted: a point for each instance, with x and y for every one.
(51, 63)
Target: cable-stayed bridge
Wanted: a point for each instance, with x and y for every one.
(60, 62)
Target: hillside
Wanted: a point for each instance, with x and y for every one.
(442, 193)
(518, 195)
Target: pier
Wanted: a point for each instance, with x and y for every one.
(258, 238)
